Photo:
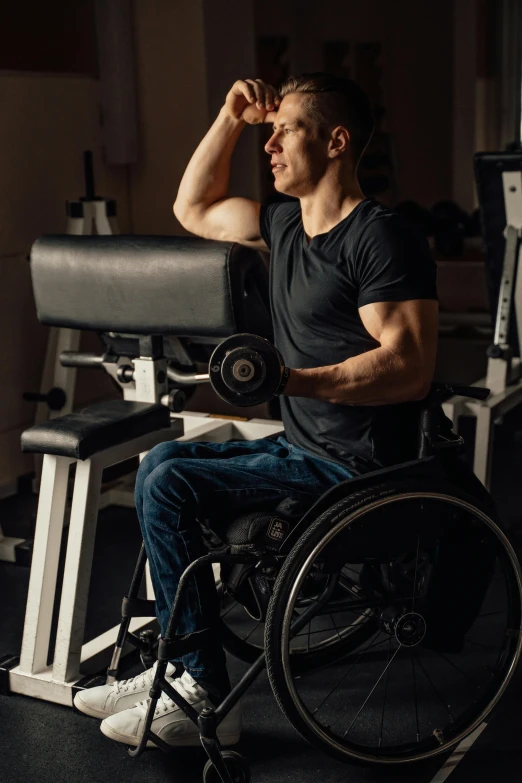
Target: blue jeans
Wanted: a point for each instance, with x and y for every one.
(179, 483)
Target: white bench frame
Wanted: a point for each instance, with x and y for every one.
(55, 682)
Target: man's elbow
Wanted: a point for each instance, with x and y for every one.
(420, 387)
(179, 213)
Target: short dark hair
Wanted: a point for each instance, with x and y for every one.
(333, 101)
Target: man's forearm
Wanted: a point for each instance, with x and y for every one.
(378, 377)
(207, 175)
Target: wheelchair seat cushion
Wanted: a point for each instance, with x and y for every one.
(259, 529)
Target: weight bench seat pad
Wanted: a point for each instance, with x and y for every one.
(81, 434)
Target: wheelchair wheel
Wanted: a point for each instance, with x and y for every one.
(443, 586)
(236, 765)
(318, 642)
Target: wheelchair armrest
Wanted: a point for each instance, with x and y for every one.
(441, 392)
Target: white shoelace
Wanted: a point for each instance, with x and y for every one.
(165, 703)
(142, 680)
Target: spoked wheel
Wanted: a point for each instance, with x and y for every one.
(444, 587)
(319, 641)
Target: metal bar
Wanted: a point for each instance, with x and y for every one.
(517, 298)
(187, 377)
(484, 437)
(44, 567)
(75, 589)
(196, 565)
(506, 287)
(241, 687)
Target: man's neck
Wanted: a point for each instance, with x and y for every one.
(325, 208)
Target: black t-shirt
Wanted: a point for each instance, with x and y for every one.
(316, 288)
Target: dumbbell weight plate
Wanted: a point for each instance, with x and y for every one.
(245, 370)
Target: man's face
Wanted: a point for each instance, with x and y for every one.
(297, 155)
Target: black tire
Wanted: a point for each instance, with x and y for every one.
(313, 543)
(236, 765)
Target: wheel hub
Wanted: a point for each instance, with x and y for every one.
(409, 628)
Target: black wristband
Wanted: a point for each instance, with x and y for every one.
(282, 383)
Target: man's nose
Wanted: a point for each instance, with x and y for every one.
(272, 144)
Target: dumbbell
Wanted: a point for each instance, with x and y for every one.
(247, 370)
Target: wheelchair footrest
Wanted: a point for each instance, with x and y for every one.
(181, 645)
(138, 607)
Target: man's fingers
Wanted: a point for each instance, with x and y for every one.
(259, 91)
(272, 100)
(248, 91)
(263, 96)
(266, 94)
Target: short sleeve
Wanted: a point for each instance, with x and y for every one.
(394, 263)
(266, 219)
(275, 214)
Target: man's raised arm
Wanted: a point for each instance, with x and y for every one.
(202, 205)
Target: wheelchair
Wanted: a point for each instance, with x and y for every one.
(388, 616)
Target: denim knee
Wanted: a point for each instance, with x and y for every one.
(153, 459)
(164, 493)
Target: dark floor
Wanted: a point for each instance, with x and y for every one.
(42, 742)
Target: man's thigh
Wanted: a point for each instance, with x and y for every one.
(201, 450)
(222, 487)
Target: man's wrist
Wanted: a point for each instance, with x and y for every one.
(234, 122)
(285, 374)
(289, 389)
(305, 383)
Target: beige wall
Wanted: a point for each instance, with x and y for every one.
(47, 123)
(173, 115)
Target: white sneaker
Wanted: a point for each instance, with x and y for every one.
(105, 700)
(169, 722)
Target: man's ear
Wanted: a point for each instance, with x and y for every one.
(339, 141)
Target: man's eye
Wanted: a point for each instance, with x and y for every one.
(288, 130)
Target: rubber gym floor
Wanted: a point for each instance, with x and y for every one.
(41, 742)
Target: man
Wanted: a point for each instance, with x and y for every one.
(353, 299)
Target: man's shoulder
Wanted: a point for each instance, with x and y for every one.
(373, 212)
(283, 205)
(380, 223)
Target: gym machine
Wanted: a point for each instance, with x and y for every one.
(152, 345)
(499, 185)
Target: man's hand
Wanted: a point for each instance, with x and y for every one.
(252, 101)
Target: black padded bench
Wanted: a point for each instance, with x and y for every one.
(98, 427)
